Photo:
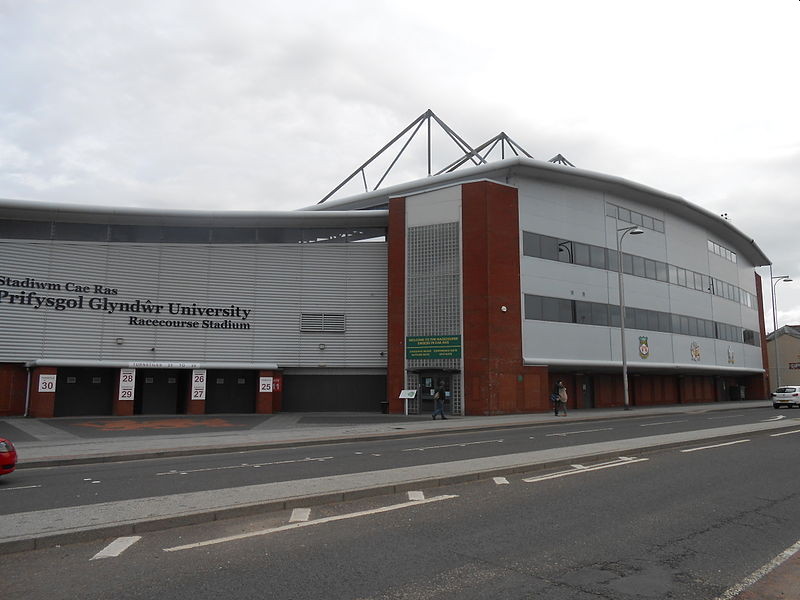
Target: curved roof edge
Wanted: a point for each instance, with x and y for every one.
(81, 213)
(503, 171)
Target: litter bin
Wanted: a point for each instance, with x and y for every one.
(385, 407)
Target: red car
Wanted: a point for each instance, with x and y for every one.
(8, 456)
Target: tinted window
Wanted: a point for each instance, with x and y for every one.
(565, 251)
(32, 230)
(638, 266)
(581, 254)
(81, 232)
(135, 233)
(583, 312)
(597, 257)
(530, 244)
(198, 235)
(599, 314)
(549, 247)
(533, 307)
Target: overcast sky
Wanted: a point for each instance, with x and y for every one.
(255, 104)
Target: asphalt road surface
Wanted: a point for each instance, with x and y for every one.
(687, 523)
(55, 487)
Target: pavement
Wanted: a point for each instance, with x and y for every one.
(71, 441)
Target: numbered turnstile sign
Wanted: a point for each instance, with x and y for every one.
(265, 384)
(47, 383)
(127, 383)
(199, 384)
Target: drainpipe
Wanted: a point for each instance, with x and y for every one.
(27, 392)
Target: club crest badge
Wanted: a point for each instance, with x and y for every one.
(644, 348)
(731, 355)
(694, 350)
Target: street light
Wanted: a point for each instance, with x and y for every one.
(633, 230)
(775, 281)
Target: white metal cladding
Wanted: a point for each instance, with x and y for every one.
(275, 282)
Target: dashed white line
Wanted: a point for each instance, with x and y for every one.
(416, 496)
(715, 446)
(501, 481)
(663, 423)
(777, 418)
(577, 469)
(737, 589)
(21, 487)
(117, 547)
(300, 514)
(461, 445)
(784, 433)
(566, 433)
(362, 513)
(247, 465)
(725, 417)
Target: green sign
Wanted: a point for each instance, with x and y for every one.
(433, 346)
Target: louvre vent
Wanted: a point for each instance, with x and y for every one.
(322, 322)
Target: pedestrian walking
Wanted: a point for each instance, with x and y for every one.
(438, 401)
(560, 398)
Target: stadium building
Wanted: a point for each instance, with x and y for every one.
(497, 279)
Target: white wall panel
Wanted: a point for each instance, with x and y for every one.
(276, 283)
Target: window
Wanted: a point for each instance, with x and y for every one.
(599, 314)
(638, 266)
(549, 247)
(533, 308)
(565, 251)
(649, 268)
(597, 257)
(581, 254)
(531, 244)
(583, 312)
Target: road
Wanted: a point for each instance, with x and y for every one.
(687, 523)
(55, 487)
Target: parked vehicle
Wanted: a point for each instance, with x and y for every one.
(788, 396)
(8, 456)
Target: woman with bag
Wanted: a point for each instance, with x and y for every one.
(560, 398)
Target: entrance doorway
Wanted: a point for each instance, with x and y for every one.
(584, 391)
(428, 383)
(83, 392)
(231, 391)
(160, 392)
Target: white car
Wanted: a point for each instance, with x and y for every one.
(788, 395)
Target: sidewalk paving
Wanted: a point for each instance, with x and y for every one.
(134, 438)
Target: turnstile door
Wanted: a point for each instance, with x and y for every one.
(160, 392)
(231, 391)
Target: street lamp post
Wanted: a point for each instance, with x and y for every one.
(775, 281)
(633, 230)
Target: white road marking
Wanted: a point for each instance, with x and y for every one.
(117, 547)
(22, 487)
(566, 433)
(354, 515)
(778, 418)
(715, 446)
(663, 423)
(784, 433)
(725, 417)
(246, 465)
(461, 445)
(300, 514)
(748, 581)
(501, 481)
(416, 496)
(622, 460)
